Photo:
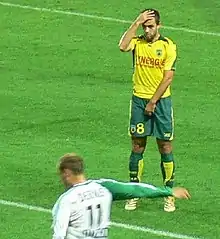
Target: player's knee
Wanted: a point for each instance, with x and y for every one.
(138, 144)
(165, 147)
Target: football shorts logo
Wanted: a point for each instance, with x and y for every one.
(133, 129)
(167, 135)
(159, 52)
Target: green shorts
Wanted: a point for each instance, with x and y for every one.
(159, 125)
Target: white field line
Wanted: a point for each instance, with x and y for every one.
(79, 14)
(115, 224)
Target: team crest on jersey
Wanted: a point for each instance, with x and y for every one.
(159, 52)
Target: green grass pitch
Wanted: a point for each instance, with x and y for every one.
(65, 86)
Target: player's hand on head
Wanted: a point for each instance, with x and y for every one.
(145, 16)
(181, 193)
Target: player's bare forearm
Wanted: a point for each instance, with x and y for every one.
(128, 36)
(165, 83)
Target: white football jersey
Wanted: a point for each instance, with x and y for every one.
(82, 212)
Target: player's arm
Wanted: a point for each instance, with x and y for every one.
(165, 83)
(61, 220)
(169, 69)
(122, 191)
(125, 43)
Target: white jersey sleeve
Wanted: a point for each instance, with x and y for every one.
(61, 212)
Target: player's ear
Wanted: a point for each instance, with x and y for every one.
(159, 25)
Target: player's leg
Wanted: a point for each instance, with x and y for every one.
(138, 131)
(168, 170)
(164, 127)
(136, 163)
(140, 126)
(167, 162)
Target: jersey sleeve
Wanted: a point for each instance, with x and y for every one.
(61, 219)
(170, 62)
(122, 191)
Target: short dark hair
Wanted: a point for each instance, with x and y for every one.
(156, 12)
(72, 162)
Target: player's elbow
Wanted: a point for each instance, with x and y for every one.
(169, 80)
(122, 47)
(122, 50)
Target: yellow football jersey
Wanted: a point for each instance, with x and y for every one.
(150, 62)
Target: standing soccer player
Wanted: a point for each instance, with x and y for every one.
(154, 58)
(83, 211)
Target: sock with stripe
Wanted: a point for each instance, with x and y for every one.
(168, 169)
(136, 165)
